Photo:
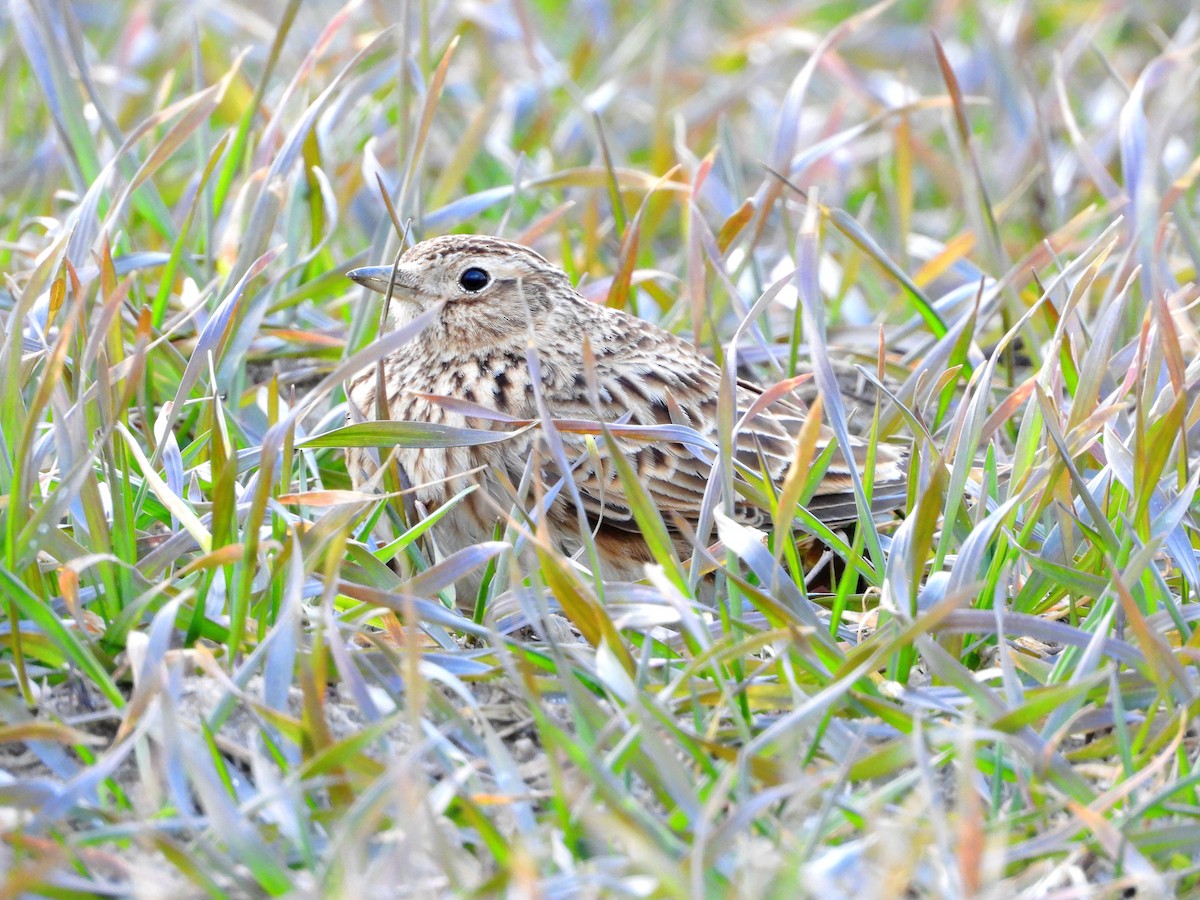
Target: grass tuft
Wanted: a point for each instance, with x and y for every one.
(972, 232)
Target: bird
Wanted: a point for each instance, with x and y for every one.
(594, 363)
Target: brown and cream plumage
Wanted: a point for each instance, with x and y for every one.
(498, 296)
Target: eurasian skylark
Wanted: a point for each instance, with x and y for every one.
(497, 297)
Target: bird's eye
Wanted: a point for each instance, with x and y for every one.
(474, 279)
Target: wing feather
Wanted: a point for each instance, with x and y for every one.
(651, 377)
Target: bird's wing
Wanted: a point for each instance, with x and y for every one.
(654, 378)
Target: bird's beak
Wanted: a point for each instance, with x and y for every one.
(377, 278)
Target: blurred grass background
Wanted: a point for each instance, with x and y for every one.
(217, 679)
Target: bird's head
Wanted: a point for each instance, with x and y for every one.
(484, 283)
